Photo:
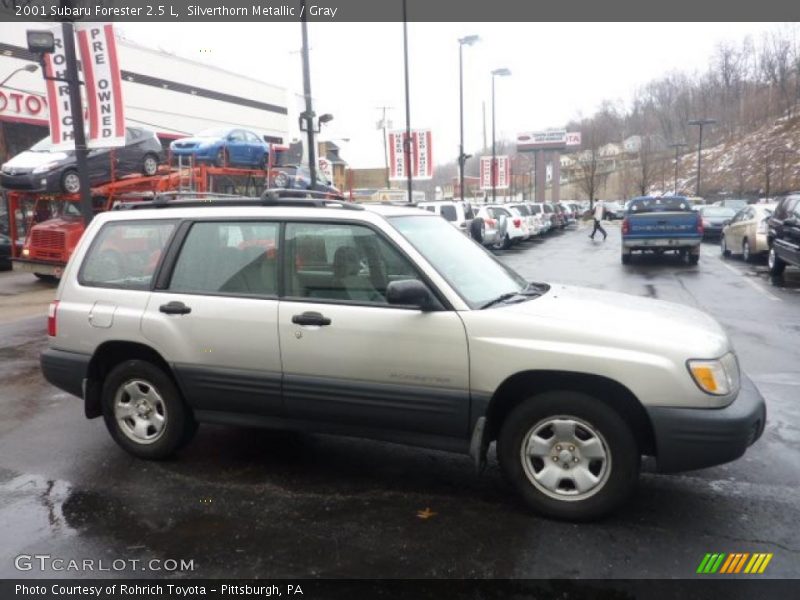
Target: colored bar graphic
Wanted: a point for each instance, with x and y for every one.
(722, 563)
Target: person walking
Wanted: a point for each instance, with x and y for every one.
(599, 210)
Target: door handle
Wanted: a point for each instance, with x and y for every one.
(175, 308)
(311, 318)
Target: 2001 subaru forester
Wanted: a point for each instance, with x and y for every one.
(387, 323)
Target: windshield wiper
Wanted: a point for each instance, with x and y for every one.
(531, 290)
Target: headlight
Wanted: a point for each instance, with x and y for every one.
(45, 167)
(718, 377)
(25, 252)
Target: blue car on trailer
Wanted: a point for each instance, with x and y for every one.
(659, 224)
(222, 147)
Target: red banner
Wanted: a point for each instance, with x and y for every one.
(98, 50)
(502, 172)
(421, 159)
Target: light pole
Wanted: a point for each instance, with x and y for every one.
(30, 68)
(382, 125)
(496, 73)
(462, 158)
(677, 146)
(700, 123)
(407, 141)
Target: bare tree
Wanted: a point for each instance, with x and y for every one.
(590, 174)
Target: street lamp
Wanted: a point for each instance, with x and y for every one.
(462, 158)
(30, 68)
(677, 146)
(496, 73)
(700, 123)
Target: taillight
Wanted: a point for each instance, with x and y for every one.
(517, 223)
(626, 226)
(51, 318)
(699, 224)
(491, 222)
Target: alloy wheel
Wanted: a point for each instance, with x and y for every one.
(140, 411)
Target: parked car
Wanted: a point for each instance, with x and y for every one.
(556, 217)
(532, 224)
(714, 218)
(43, 168)
(541, 223)
(613, 210)
(734, 203)
(298, 177)
(223, 146)
(746, 233)
(460, 215)
(784, 235)
(494, 225)
(545, 214)
(515, 229)
(384, 322)
(662, 224)
(5, 252)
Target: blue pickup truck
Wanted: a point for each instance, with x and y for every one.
(661, 224)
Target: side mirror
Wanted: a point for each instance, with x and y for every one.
(410, 292)
(726, 222)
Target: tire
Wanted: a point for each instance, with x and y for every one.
(746, 254)
(221, 159)
(576, 425)
(694, 259)
(477, 229)
(723, 246)
(150, 165)
(134, 394)
(775, 263)
(281, 180)
(46, 277)
(626, 258)
(70, 183)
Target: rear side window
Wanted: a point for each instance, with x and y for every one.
(125, 254)
(449, 212)
(659, 205)
(232, 258)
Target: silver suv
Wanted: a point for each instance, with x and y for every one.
(385, 322)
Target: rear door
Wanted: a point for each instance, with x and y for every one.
(238, 148)
(791, 230)
(214, 317)
(350, 358)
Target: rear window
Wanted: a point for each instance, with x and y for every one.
(535, 209)
(642, 205)
(125, 254)
(522, 209)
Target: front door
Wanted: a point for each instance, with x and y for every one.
(216, 319)
(348, 356)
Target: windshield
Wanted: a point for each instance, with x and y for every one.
(474, 273)
(214, 132)
(717, 211)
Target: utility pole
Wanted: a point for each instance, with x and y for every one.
(677, 146)
(483, 108)
(462, 158)
(383, 124)
(308, 115)
(407, 141)
(700, 123)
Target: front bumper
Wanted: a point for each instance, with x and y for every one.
(31, 182)
(695, 438)
(36, 266)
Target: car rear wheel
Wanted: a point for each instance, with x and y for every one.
(626, 258)
(746, 257)
(723, 246)
(281, 180)
(569, 455)
(221, 160)
(477, 229)
(70, 182)
(150, 165)
(775, 263)
(694, 259)
(144, 411)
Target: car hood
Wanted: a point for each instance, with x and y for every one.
(584, 315)
(31, 160)
(197, 141)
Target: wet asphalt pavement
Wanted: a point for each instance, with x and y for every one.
(249, 503)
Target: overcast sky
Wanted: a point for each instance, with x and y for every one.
(559, 71)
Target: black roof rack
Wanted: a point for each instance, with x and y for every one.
(272, 197)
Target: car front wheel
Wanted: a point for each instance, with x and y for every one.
(775, 263)
(723, 246)
(144, 411)
(70, 182)
(150, 165)
(569, 455)
(746, 256)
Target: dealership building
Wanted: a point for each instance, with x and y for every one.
(170, 95)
